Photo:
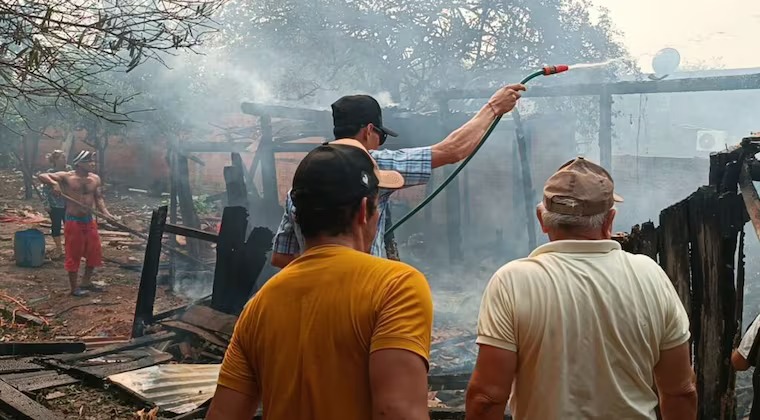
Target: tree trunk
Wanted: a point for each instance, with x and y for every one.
(31, 149)
(102, 145)
(68, 144)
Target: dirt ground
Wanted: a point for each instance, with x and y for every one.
(45, 290)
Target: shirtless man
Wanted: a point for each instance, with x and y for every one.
(80, 229)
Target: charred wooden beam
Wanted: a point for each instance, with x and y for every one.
(269, 190)
(15, 348)
(605, 130)
(237, 194)
(673, 245)
(191, 233)
(641, 240)
(526, 180)
(750, 196)
(35, 381)
(186, 203)
(275, 111)
(209, 319)
(714, 241)
(143, 341)
(257, 246)
(213, 147)
(699, 84)
(146, 294)
(21, 406)
(229, 247)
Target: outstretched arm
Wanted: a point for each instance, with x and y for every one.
(53, 179)
(461, 142)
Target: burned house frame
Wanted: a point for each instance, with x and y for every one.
(699, 243)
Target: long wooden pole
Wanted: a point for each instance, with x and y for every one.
(165, 247)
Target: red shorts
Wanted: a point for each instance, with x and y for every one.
(82, 241)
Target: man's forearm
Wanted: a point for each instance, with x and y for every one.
(101, 205)
(480, 407)
(679, 407)
(461, 142)
(46, 179)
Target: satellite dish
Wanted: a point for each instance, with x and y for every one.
(666, 62)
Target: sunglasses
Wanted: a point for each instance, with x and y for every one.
(383, 135)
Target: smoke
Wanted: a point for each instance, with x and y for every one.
(307, 54)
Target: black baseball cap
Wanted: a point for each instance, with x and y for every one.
(339, 173)
(357, 111)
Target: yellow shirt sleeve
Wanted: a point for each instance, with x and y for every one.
(237, 372)
(405, 316)
(496, 323)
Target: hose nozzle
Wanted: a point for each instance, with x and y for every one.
(548, 70)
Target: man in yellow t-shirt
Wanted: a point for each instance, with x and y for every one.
(339, 333)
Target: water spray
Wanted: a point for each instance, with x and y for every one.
(522, 149)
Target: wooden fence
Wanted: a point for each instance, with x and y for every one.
(700, 244)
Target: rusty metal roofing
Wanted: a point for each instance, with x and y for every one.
(177, 388)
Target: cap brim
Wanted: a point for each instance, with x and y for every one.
(617, 198)
(388, 131)
(389, 179)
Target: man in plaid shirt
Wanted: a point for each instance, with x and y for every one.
(359, 117)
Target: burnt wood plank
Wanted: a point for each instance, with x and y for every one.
(200, 332)
(228, 257)
(237, 194)
(143, 341)
(186, 203)
(125, 362)
(21, 406)
(12, 364)
(674, 254)
(146, 294)
(209, 319)
(16, 348)
(191, 232)
(713, 246)
(35, 381)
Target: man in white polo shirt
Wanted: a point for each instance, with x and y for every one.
(579, 329)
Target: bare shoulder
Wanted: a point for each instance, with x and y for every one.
(95, 177)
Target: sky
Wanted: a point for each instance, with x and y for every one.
(715, 33)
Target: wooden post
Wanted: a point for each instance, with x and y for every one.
(146, 294)
(186, 204)
(674, 254)
(713, 232)
(234, 178)
(269, 189)
(173, 182)
(605, 131)
(29, 163)
(453, 198)
(254, 260)
(527, 181)
(231, 241)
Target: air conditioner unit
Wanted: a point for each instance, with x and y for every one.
(711, 140)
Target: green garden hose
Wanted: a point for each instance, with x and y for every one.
(546, 71)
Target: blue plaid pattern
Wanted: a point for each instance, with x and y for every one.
(415, 164)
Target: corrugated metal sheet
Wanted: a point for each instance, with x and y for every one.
(177, 388)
